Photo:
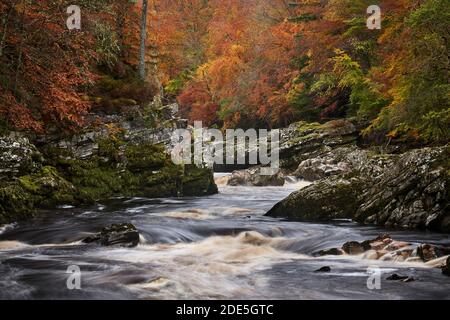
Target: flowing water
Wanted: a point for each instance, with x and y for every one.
(216, 247)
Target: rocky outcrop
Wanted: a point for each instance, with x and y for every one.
(253, 177)
(124, 234)
(18, 157)
(335, 162)
(413, 193)
(101, 162)
(407, 191)
(302, 141)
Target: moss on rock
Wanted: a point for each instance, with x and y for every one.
(45, 189)
(114, 169)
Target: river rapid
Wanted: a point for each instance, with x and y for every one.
(216, 247)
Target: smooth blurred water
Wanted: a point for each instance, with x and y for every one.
(216, 247)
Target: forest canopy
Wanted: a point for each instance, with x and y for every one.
(234, 63)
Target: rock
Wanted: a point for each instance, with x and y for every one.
(323, 200)
(18, 157)
(446, 268)
(323, 269)
(337, 161)
(331, 252)
(302, 141)
(412, 193)
(379, 243)
(124, 234)
(353, 248)
(46, 188)
(427, 252)
(396, 277)
(253, 177)
(408, 191)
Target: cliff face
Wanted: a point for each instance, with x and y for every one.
(122, 157)
(406, 190)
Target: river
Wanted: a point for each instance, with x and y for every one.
(216, 247)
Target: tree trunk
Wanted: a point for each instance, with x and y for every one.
(143, 40)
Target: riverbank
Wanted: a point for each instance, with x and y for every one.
(118, 156)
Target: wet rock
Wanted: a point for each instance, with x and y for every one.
(331, 252)
(353, 248)
(323, 270)
(124, 234)
(254, 177)
(446, 267)
(379, 243)
(396, 277)
(427, 252)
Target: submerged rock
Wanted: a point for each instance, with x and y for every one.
(323, 270)
(396, 277)
(331, 252)
(124, 234)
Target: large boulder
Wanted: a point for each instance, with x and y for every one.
(323, 200)
(413, 193)
(44, 189)
(408, 191)
(253, 177)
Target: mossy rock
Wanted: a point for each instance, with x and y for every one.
(324, 200)
(145, 157)
(15, 203)
(198, 181)
(48, 188)
(117, 169)
(45, 189)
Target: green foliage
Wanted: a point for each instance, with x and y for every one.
(107, 44)
(422, 92)
(365, 100)
(176, 85)
(303, 17)
(436, 125)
